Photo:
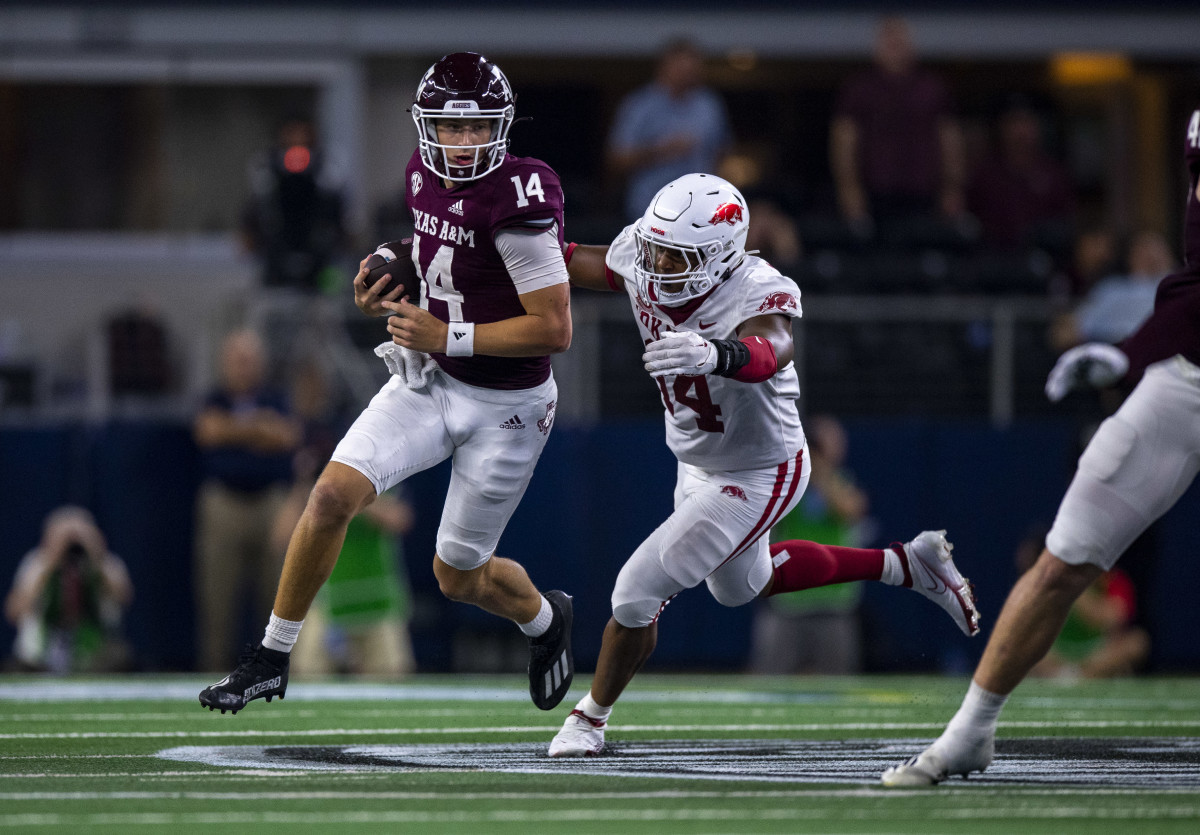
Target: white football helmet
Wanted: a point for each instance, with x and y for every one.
(700, 220)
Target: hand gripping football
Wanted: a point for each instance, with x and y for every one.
(392, 262)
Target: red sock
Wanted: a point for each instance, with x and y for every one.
(800, 564)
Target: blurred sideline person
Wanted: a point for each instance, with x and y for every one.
(1134, 469)
(671, 126)
(896, 148)
(717, 325)
(816, 631)
(358, 623)
(1021, 195)
(1117, 304)
(246, 437)
(294, 220)
(471, 380)
(1099, 638)
(68, 598)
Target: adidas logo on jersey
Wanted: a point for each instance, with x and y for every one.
(513, 422)
(457, 208)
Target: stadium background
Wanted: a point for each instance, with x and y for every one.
(152, 110)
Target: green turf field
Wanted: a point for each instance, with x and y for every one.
(717, 754)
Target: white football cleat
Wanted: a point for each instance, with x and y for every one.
(929, 569)
(941, 760)
(581, 736)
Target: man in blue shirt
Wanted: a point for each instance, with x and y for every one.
(246, 437)
(670, 127)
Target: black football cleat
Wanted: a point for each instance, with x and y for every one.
(261, 673)
(551, 664)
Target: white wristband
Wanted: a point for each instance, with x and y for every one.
(460, 339)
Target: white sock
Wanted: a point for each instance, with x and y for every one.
(978, 714)
(588, 706)
(541, 623)
(893, 571)
(281, 634)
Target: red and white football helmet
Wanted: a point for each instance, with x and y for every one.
(463, 85)
(704, 220)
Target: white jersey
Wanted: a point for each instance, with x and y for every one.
(714, 422)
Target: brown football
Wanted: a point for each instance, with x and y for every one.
(392, 262)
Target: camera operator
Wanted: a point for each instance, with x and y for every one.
(68, 598)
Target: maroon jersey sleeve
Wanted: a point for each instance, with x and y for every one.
(526, 192)
(1174, 327)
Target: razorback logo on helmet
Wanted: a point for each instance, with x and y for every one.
(778, 301)
(730, 213)
(736, 492)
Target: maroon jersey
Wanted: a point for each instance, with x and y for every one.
(463, 275)
(1174, 327)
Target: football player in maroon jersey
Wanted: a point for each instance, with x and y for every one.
(1134, 469)
(471, 379)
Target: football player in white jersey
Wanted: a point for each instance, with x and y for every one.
(716, 322)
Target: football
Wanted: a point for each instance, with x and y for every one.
(392, 262)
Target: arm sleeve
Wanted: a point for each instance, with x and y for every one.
(533, 258)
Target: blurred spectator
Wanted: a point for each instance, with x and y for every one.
(1115, 306)
(1099, 639)
(247, 438)
(294, 220)
(816, 630)
(1094, 257)
(359, 621)
(673, 126)
(772, 233)
(896, 149)
(68, 598)
(1021, 195)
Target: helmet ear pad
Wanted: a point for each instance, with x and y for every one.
(466, 86)
(706, 219)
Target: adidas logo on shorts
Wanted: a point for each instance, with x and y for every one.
(513, 422)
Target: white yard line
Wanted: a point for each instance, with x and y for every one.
(559, 816)
(980, 793)
(1066, 724)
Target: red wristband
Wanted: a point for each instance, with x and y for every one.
(611, 278)
(763, 363)
(568, 252)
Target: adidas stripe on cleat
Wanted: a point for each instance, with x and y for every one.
(551, 664)
(261, 673)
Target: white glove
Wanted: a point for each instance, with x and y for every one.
(412, 367)
(1094, 364)
(680, 353)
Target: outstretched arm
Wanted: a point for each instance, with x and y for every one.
(764, 346)
(587, 268)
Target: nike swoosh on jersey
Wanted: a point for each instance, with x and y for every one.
(704, 326)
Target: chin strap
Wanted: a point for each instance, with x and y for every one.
(749, 360)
